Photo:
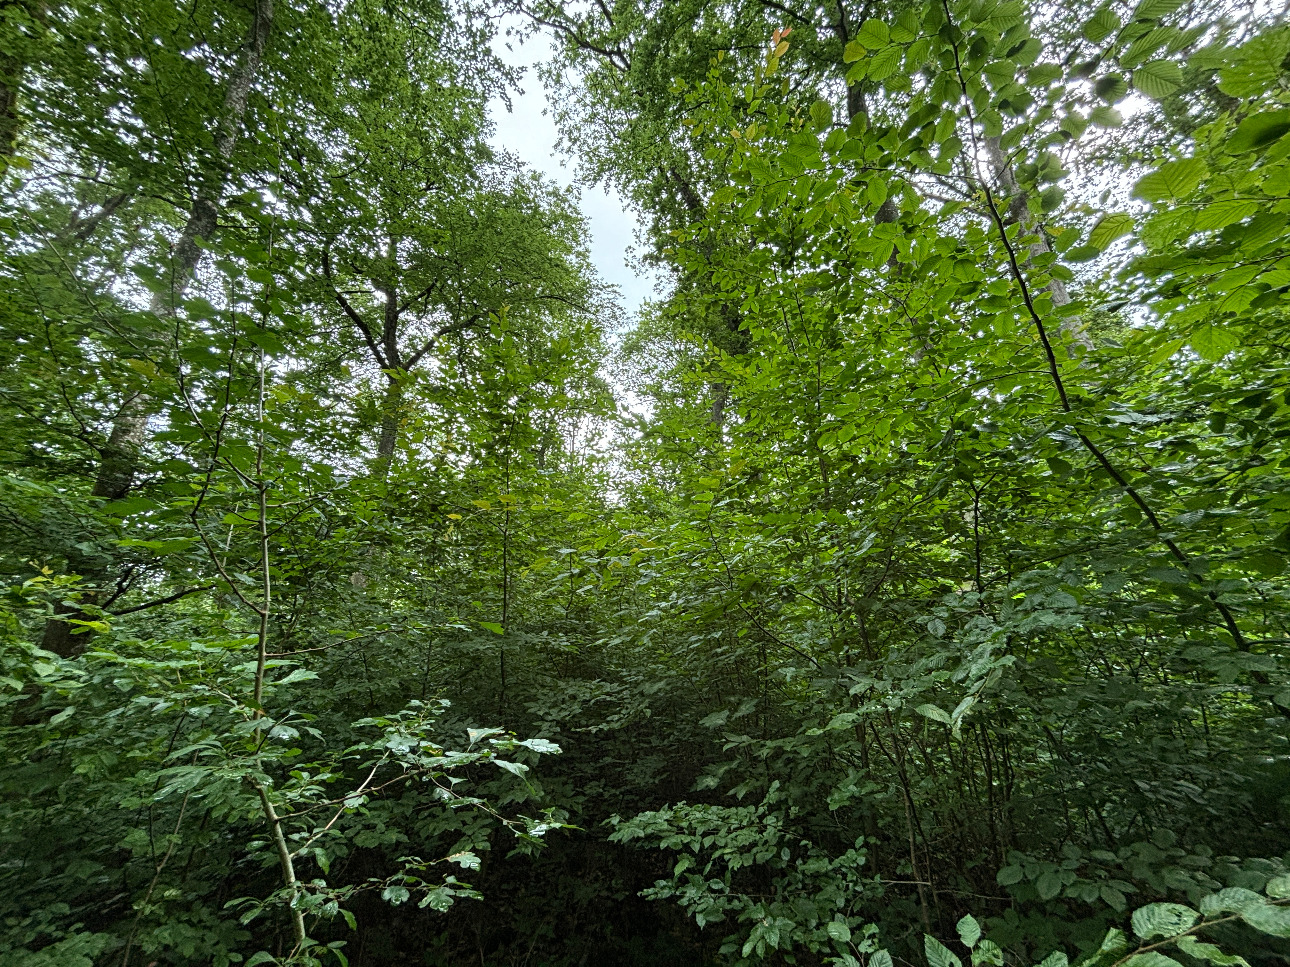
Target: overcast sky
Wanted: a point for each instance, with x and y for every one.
(529, 132)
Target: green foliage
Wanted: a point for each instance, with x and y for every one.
(922, 597)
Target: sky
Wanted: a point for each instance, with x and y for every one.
(528, 131)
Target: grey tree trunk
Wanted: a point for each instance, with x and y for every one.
(391, 417)
(129, 428)
(130, 425)
(1019, 212)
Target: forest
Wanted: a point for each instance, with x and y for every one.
(907, 582)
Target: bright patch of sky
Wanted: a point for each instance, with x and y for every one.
(528, 131)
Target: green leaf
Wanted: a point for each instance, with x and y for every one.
(880, 958)
(821, 114)
(1049, 884)
(1220, 214)
(1154, 9)
(1213, 341)
(853, 52)
(1209, 952)
(299, 675)
(1009, 875)
(1111, 87)
(873, 34)
(932, 712)
(1100, 26)
(939, 955)
(1163, 920)
(515, 768)
(1234, 899)
(1108, 229)
(1269, 919)
(969, 931)
(492, 626)
(1112, 898)
(1174, 179)
(838, 931)
(1158, 78)
(1152, 958)
(1259, 131)
(394, 895)
(1279, 887)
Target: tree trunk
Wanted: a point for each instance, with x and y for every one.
(130, 425)
(391, 417)
(1019, 212)
(129, 429)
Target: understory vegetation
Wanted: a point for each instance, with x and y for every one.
(906, 583)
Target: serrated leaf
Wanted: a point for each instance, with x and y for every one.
(1173, 179)
(1269, 919)
(932, 712)
(1220, 214)
(1158, 78)
(1213, 341)
(515, 768)
(1049, 885)
(1152, 958)
(1259, 131)
(939, 955)
(1108, 229)
(1209, 952)
(1155, 9)
(821, 114)
(1100, 26)
(969, 931)
(1163, 920)
(873, 34)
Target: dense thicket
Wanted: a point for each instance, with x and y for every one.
(909, 578)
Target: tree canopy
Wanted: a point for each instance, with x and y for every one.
(906, 582)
